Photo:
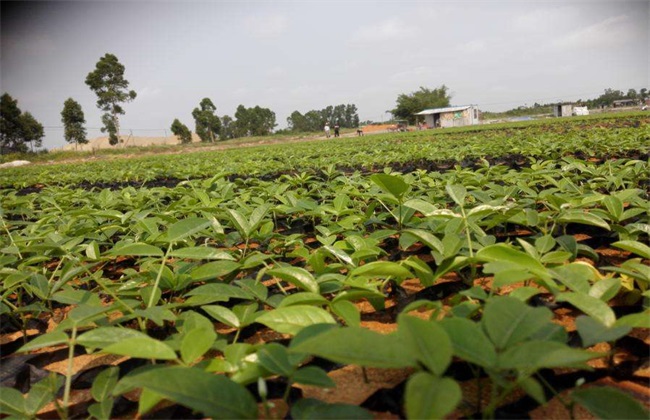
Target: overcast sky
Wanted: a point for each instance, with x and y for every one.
(306, 55)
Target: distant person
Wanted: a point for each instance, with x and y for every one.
(327, 129)
(336, 130)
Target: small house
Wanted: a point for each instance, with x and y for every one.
(455, 116)
(563, 110)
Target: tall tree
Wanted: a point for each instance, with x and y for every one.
(207, 124)
(408, 104)
(17, 128)
(10, 126)
(111, 88)
(73, 120)
(181, 131)
(227, 127)
(32, 130)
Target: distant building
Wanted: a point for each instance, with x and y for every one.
(455, 116)
(624, 102)
(563, 110)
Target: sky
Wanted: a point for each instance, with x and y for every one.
(291, 55)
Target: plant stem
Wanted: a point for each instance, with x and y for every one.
(68, 373)
(159, 276)
(4, 225)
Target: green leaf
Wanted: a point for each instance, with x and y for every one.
(638, 320)
(314, 376)
(105, 336)
(102, 410)
(591, 306)
(634, 247)
(426, 238)
(195, 343)
(358, 346)
(457, 193)
(274, 357)
(469, 342)
(143, 347)
(137, 249)
(391, 184)
(297, 276)
(382, 269)
(187, 227)
(241, 224)
(614, 206)
(312, 409)
(508, 321)
(213, 270)
(348, 312)
(533, 388)
(502, 253)
(201, 253)
(427, 341)
(424, 207)
(584, 218)
(213, 395)
(593, 332)
(12, 402)
(605, 289)
(610, 403)
(537, 354)
(220, 292)
(50, 339)
(291, 319)
(223, 314)
(104, 383)
(431, 397)
(304, 298)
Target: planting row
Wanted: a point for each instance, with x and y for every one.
(471, 265)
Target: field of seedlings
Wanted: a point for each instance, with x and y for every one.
(486, 272)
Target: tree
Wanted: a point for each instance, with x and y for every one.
(73, 120)
(32, 130)
(17, 128)
(227, 127)
(408, 105)
(10, 128)
(207, 124)
(255, 121)
(181, 131)
(111, 88)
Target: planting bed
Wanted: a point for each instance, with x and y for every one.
(471, 273)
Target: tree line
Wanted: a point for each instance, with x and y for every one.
(346, 116)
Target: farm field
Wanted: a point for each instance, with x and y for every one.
(493, 272)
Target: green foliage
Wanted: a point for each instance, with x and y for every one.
(207, 124)
(111, 88)
(72, 117)
(346, 116)
(255, 121)
(409, 104)
(181, 131)
(17, 128)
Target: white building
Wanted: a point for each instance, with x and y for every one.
(455, 116)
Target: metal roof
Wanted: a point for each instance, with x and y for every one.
(442, 110)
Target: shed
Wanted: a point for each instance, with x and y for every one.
(624, 102)
(455, 116)
(563, 110)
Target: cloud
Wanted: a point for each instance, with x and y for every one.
(474, 46)
(611, 32)
(148, 92)
(388, 30)
(414, 75)
(267, 26)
